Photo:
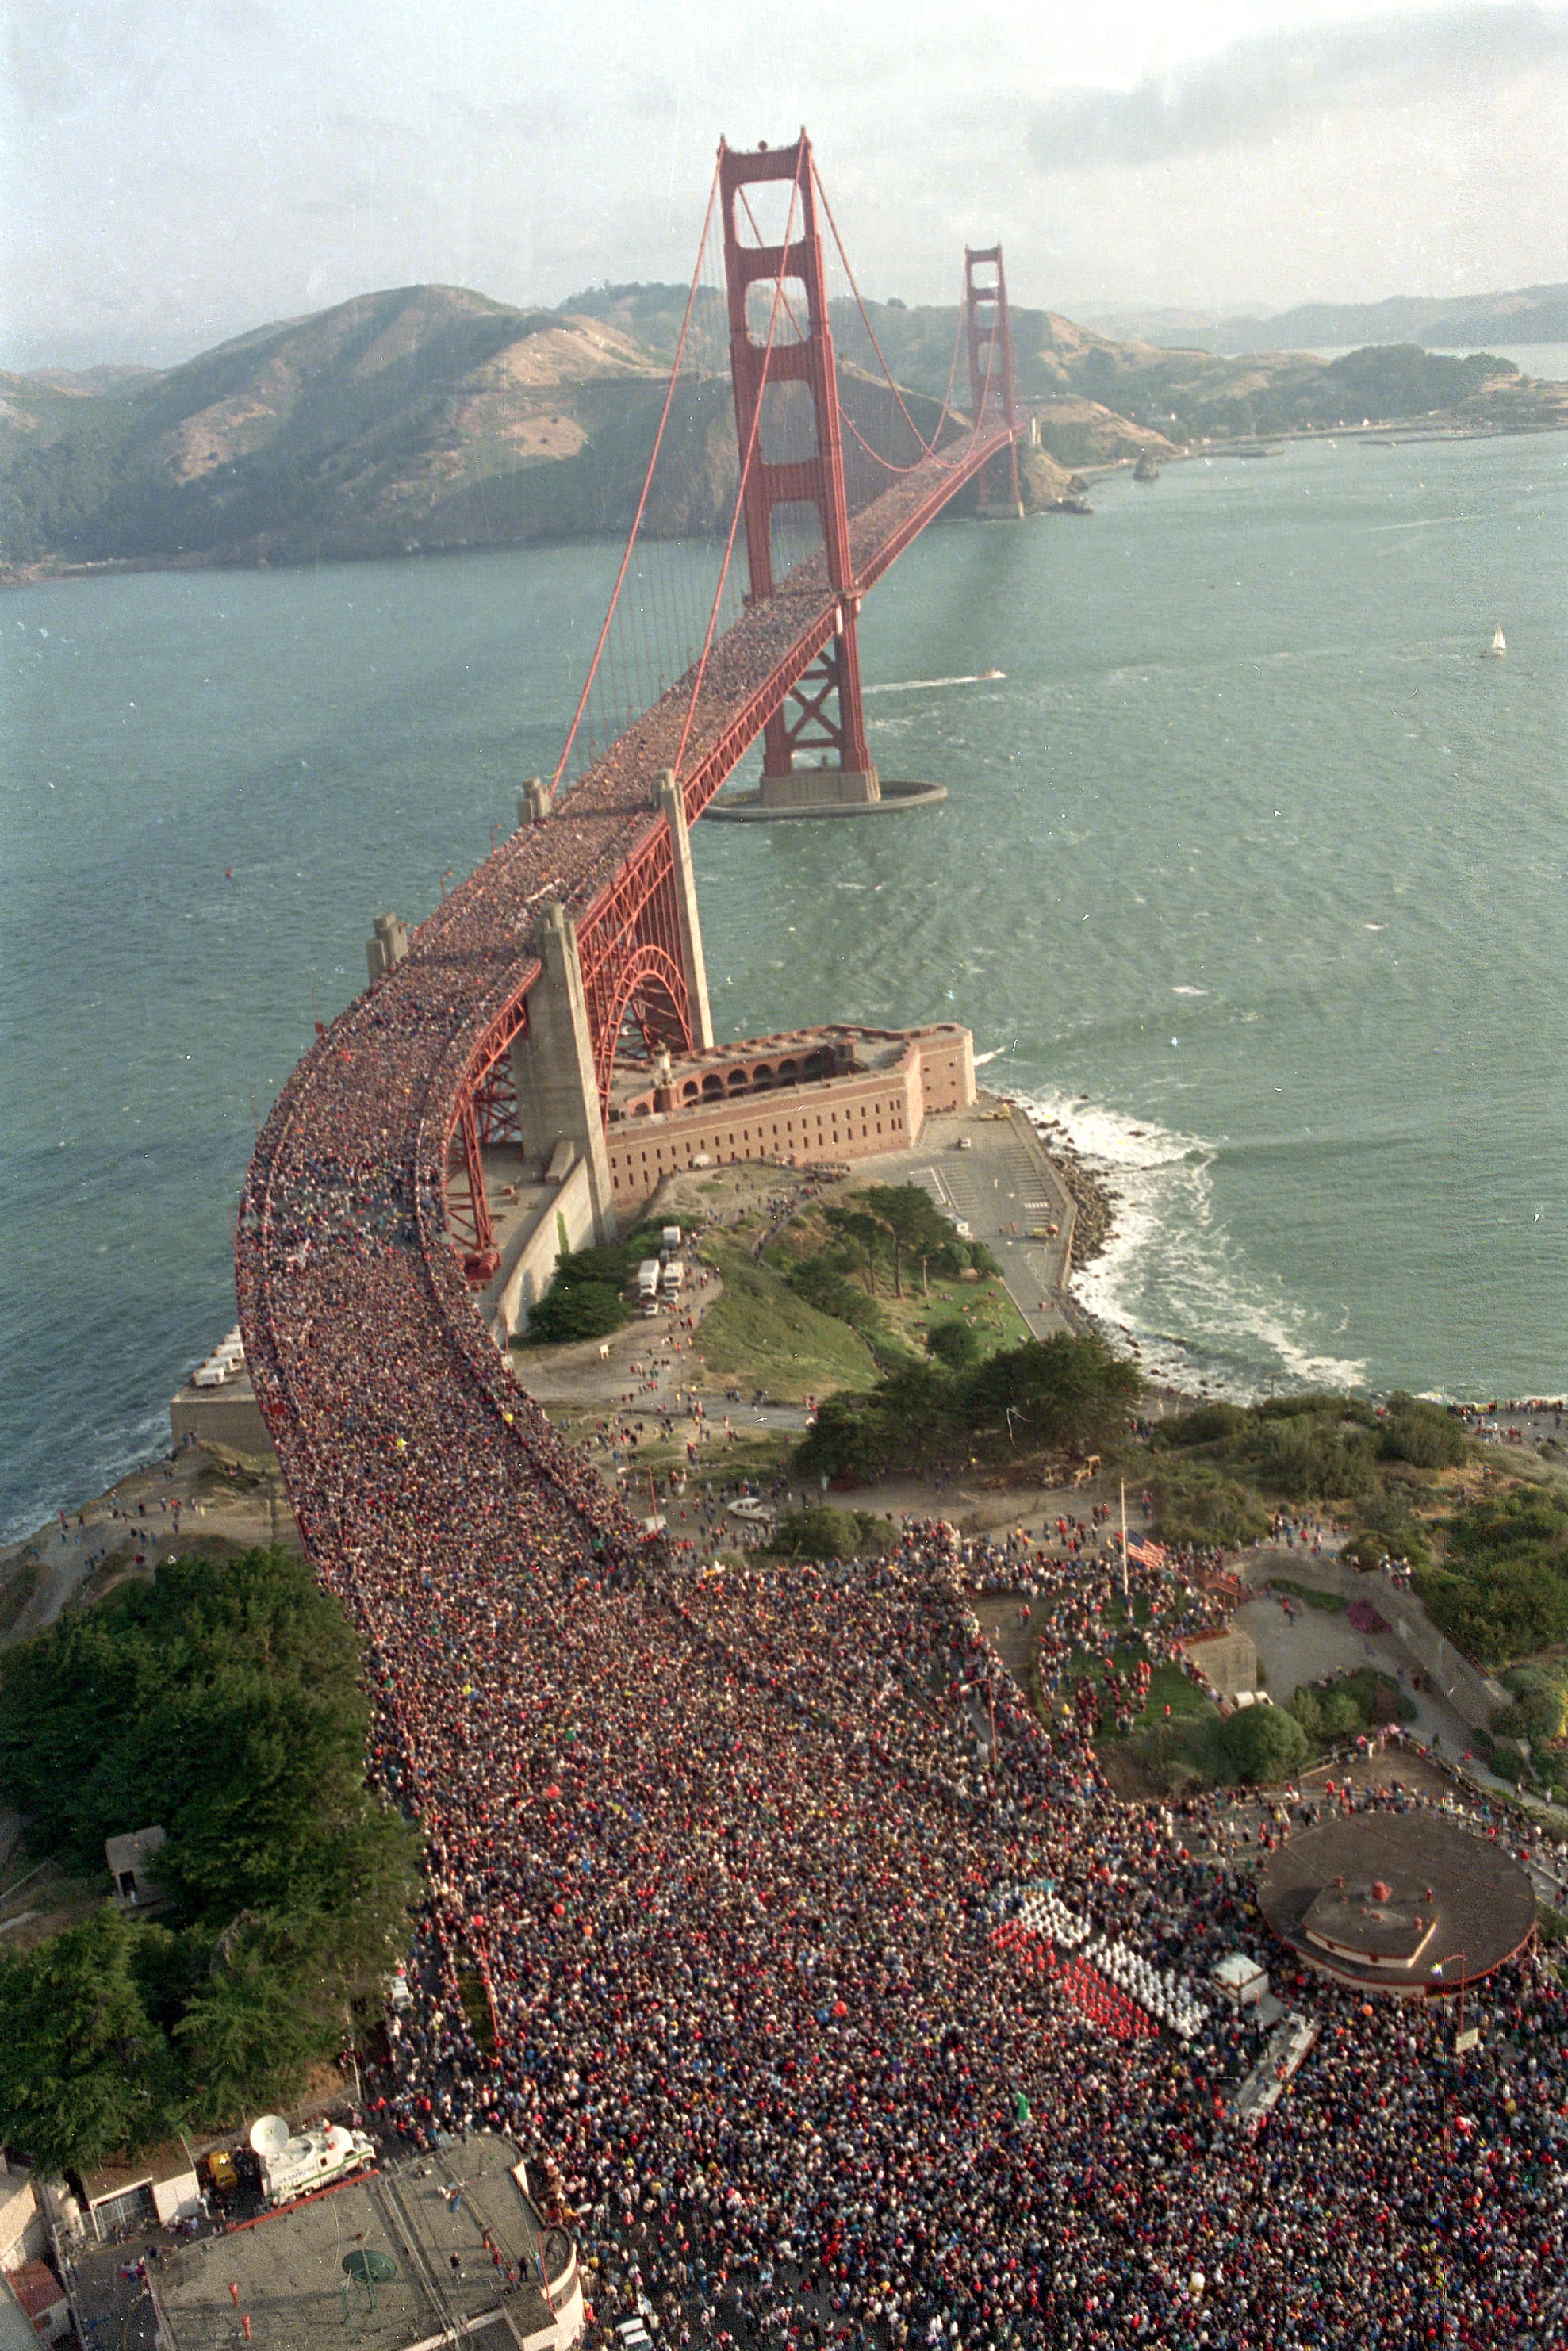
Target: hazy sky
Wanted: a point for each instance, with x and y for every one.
(177, 171)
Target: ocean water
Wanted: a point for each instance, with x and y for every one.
(1251, 872)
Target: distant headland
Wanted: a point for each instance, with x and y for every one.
(430, 417)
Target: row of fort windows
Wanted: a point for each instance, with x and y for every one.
(828, 1132)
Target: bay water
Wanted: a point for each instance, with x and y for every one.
(1251, 872)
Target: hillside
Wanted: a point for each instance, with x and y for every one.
(432, 417)
(424, 418)
(1192, 395)
(1532, 314)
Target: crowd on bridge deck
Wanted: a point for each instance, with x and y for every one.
(732, 1849)
(729, 1850)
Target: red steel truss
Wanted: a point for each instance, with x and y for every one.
(630, 945)
(787, 670)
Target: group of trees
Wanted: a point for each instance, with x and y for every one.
(896, 1227)
(586, 1299)
(1021, 1401)
(1501, 1590)
(224, 1704)
(881, 1244)
(1222, 1468)
(1344, 1706)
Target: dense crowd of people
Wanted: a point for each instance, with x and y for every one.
(730, 1849)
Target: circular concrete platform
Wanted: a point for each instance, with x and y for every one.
(746, 807)
(1400, 1902)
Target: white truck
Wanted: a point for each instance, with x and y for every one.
(294, 2164)
(672, 1277)
(648, 1280)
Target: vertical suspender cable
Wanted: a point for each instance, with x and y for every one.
(641, 503)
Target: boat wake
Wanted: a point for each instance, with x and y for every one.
(1172, 1286)
(930, 684)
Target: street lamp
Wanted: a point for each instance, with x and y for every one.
(1461, 2040)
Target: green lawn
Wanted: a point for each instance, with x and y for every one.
(1168, 1686)
(985, 1306)
(1332, 1603)
(759, 1335)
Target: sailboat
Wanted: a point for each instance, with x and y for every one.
(1498, 647)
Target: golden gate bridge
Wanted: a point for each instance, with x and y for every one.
(364, 1228)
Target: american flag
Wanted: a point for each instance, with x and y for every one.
(1143, 1553)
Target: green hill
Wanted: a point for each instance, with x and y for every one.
(430, 417)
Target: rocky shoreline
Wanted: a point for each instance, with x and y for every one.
(1093, 1203)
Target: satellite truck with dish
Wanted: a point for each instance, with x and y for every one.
(296, 2163)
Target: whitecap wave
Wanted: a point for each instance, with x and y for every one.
(995, 1054)
(1172, 1278)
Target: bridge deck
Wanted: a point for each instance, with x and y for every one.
(383, 1392)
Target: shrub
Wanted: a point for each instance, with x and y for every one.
(1308, 1712)
(1315, 1406)
(1263, 1743)
(1340, 1714)
(1183, 1754)
(1195, 1503)
(1309, 1457)
(818, 1533)
(957, 1344)
(582, 1310)
(1421, 1433)
(1203, 1426)
(1389, 1526)
(1541, 1696)
(1350, 1704)
(1502, 1589)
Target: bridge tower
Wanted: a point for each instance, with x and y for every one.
(822, 712)
(991, 341)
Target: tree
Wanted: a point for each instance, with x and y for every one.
(580, 1309)
(222, 1702)
(1063, 1389)
(858, 1227)
(83, 2069)
(956, 1344)
(1263, 1743)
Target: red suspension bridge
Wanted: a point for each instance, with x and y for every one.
(365, 1225)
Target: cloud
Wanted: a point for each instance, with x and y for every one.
(1257, 88)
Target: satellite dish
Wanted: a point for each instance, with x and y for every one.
(367, 2267)
(269, 2135)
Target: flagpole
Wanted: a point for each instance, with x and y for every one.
(1124, 1539)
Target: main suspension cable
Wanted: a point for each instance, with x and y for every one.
(647, 486)
(745, 477)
